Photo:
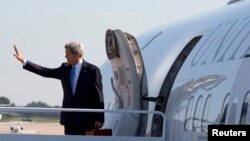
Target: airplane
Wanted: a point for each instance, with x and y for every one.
(193, 71)
(15, 127)
(18, 129)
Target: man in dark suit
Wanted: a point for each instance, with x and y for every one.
(82, 88)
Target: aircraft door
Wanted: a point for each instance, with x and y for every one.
(129, 80)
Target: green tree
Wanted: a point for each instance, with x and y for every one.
(4, 100)
(38, 104)
(41, 116)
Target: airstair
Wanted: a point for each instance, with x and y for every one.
(41, 137)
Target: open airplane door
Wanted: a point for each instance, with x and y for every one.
(129, 81)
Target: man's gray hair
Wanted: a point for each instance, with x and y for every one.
(75, 47)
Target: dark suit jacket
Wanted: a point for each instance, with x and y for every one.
(88, 91)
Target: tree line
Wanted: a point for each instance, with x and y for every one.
(27, 116)
(6, 101)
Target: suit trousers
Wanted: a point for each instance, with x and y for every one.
(71, 127)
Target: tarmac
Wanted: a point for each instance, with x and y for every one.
(46, 128)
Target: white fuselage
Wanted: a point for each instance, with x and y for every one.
(197, 69)
(214, 76)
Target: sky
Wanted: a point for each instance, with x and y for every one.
(40, 29)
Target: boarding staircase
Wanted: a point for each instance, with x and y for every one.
(39, 137)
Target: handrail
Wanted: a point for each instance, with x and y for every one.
(30, 109)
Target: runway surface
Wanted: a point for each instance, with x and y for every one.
(48, 128)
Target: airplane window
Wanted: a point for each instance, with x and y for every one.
(197, 118)
(245, 113)
(189, 119)
(232, 116)
(248, 115)
(224, 109)
(204, 121)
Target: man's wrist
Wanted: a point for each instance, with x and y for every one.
(24, 62)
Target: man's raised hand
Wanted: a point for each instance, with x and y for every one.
(18, 55)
